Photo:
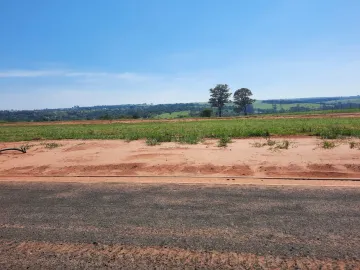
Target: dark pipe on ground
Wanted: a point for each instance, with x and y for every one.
(21, 149)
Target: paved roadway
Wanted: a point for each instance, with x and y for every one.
(40, 222)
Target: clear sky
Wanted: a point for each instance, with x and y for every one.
(61, 53)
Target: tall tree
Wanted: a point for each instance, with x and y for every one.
(242, 100)
(219, 96)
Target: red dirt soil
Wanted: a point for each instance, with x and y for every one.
(304, 158)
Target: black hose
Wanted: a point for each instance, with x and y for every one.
(21, 149)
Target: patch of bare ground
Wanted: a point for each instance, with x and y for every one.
(149, 156)
(106, 169)
(240, 158)
(353, 167)
(35, 255)
(27, 170)
(321, 167)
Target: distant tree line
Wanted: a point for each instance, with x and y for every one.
(220, 95)
(308, 100)
(129, 111)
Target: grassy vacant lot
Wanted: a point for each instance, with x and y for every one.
(189, 132)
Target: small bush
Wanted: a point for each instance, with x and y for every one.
(354, 145)
(328, 144)
(206, 113)
(223, 142)
(270, 142)
(258, 145)
(189, 139)
(152, 141)
(283, 145)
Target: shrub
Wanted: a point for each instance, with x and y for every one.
(328, 144)
(206, 113)
(270, 142)
(190, 139)
(223, 142)
(258, 145)
(283, 145)
(152, 141)
(354, 145)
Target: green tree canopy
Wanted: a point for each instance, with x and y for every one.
(219, 96)
(242, 100)
(206, 112)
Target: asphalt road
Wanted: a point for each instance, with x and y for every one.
(321, 225)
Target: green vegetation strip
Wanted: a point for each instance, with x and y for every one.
(188, 132)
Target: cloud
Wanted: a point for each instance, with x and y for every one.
(29, 73)
(75, 74)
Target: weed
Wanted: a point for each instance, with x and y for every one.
(270, 142)
(274, 145)
(189, 139)
(51, 145)
(223, 142)
(258, 145)
(283, 145)
(27, 146)
(335, 132)
(328, 144)
(152, 141)
(354, 145)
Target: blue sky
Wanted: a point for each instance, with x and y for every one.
(96, 52)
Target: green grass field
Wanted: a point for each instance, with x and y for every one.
(188, 132)
(173, 115)
(266, 106)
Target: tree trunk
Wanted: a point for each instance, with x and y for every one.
(220, 111)
(245, 112)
